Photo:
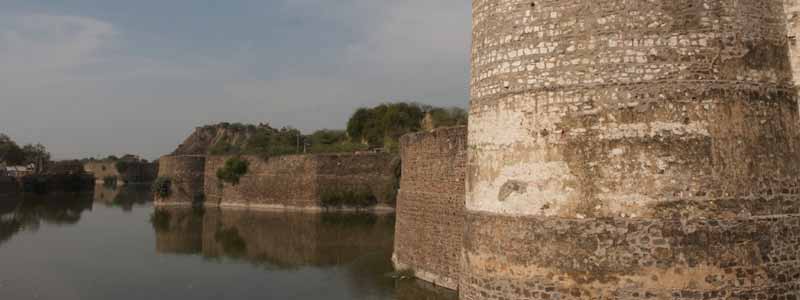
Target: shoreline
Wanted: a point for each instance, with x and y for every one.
(379, 209)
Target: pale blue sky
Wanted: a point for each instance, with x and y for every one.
(91, 78)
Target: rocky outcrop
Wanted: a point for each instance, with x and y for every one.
(201, 141)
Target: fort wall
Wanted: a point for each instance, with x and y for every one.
(298, 181)
(279, 182)
(430, 205)
(283, 182)
(631, 149)
(186, 174)
(792, 10)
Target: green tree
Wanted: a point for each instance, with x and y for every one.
(445, 117)
(333, 141)
(268, 142)
(10, 152)
(383, 125)
(233, 170)
(328, 137)
(36, 155)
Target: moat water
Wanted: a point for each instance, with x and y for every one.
(113, 244)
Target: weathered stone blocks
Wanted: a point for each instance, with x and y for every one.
(186, 179)
(631, 149)
(430, 205)
(281, 182)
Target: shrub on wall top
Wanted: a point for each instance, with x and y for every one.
(162, 187)
(234, 169)
(122, 166)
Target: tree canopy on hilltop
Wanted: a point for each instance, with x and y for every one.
(383, 125)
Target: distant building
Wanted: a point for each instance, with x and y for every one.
(18, 171)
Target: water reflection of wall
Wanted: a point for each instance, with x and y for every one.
(358, 245)
(178, 230)
(284, 240)
(125, 197)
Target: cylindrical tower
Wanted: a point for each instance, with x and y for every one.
(623, 149)
(186, 175)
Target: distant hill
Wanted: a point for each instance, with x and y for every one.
(227, 138)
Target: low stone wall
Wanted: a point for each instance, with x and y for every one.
(376, 172)
(186, 179)
(136, 172)
(430, 205)
(276, 182)
(284, 182)
(297, 181)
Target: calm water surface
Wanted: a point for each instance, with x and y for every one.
(113, 244)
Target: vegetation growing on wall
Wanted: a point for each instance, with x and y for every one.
(352, 197)
(234, 169)
(162, 187)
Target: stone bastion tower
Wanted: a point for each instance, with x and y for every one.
(630, 149)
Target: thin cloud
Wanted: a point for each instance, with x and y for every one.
(38, 49)
(91, 86)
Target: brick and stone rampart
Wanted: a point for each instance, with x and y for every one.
(282, 182)
(626, 149)
(186, 175)
(430, 205)
(792, 10)
(297, 181)
(278, 182)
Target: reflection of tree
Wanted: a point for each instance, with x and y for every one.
(29, 212)
(124, 197)
(9, 228)
(232, 243)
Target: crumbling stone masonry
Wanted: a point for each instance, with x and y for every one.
(430, 205)
(630, 149)
(282, 182)
(186, 179)
(792, 9)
